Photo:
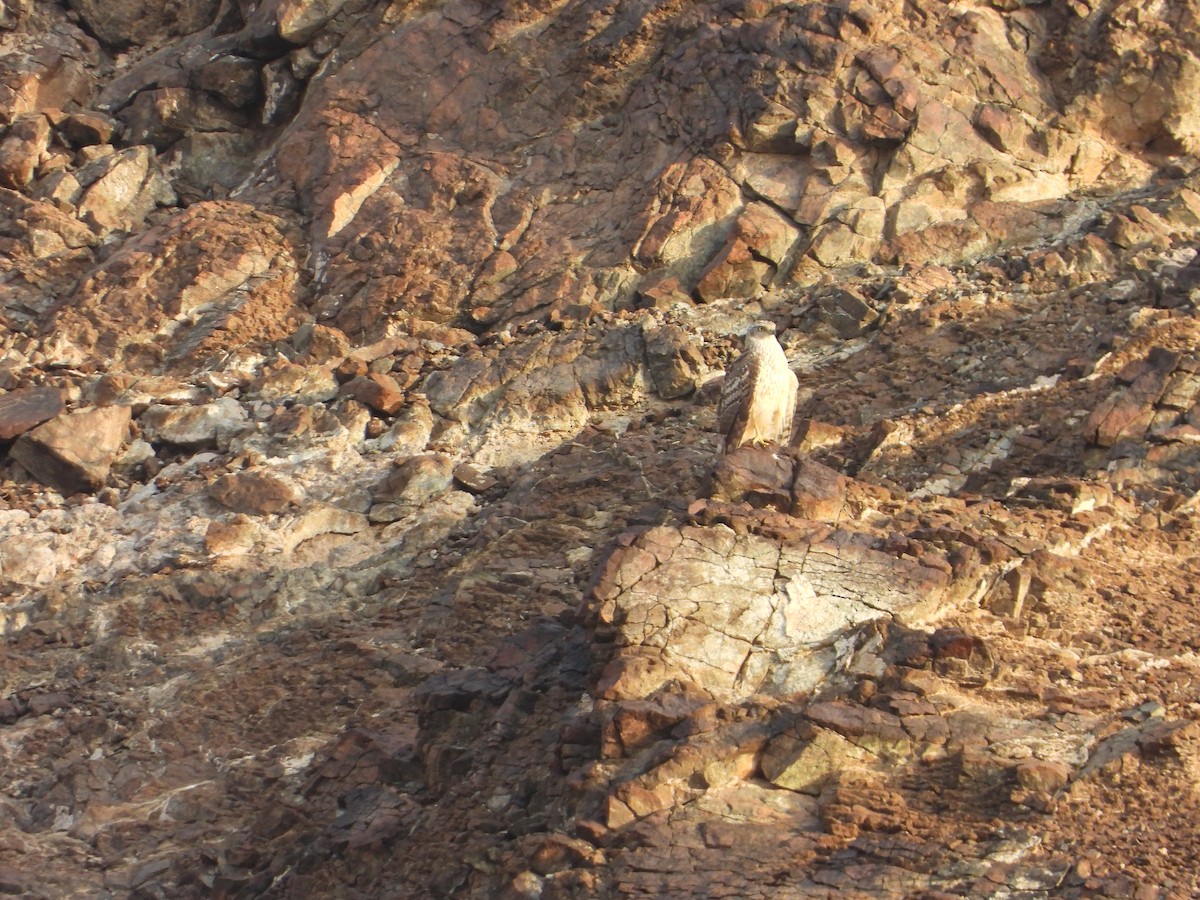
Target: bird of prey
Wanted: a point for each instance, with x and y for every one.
(758, 399)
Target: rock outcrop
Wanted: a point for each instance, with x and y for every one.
(362, 527)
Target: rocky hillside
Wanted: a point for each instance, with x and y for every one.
(362, 530)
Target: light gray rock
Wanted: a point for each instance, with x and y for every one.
(209, 425)
(742, 614)
(121, 190)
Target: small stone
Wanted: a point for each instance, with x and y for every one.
(527, 884)
(1043, 776)
(322, 344)
(284, 380)
(227, 538)
(9, 711)
(379, 391)
(846, 311)
(350, 368)
(474, 479)
(43, 704)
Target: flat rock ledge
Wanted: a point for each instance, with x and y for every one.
(743, 614)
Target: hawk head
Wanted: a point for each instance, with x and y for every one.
(760, 330)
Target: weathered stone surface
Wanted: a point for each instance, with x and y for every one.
(194, 426)
(547, 222)
(73, 452)
(254, 492)
(21, 150)
(845, 311)
(673, 359)
(754, 474)
(545, 388)
(86, 129)
(120, 190)
(417, 479)
(740, 614)
(757, 249)
(321, 344)
(1129, 411)
(474, 479)
(379, 391)
(48, 75)
(818, 492)
(231, 269)
(285, 381)
(211, 164)
(299, 20)
(410, 433)
(806, 763)
(24, 408)
(126, 22)
(163, 116)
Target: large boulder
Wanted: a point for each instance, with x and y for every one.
(124, 23)
(73, 452)
(740, 614)
(25, 408)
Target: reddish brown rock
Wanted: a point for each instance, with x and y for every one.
(24, 408)
(125, 22)
(254, 492)
(44, 78)
(85, 129)
(21, 150)
(561, 178)
(230, 268)
(322, 344)
(474, 479)
(673, 359)
(1043, 776)
(755, 474)
(208, 424)
(378, 391)
(1128, 412)
(818, 492)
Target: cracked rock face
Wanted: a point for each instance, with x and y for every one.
(362, 529)
(740, 615)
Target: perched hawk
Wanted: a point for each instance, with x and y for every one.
(758, 399)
